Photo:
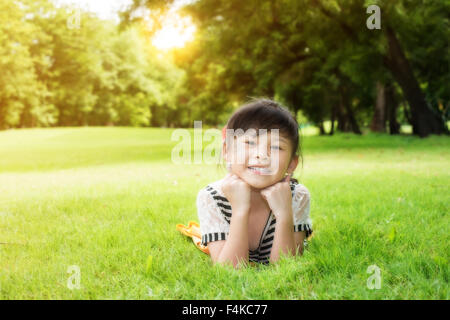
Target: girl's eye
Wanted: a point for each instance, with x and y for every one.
(276, 147)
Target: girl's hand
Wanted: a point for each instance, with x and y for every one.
(237, 192)
(279, 198)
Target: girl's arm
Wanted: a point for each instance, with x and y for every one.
(235, 249)
(279, 198)
(285, 240)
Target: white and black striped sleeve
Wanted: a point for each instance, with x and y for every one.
(301, 207)
(213, 224)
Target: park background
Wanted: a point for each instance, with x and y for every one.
(88, 105)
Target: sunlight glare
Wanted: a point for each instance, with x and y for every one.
(175, 33)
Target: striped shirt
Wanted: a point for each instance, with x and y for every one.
(214, 211)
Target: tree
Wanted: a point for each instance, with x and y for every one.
(70, 75)
(319, 56)
(397, 17)
(23, 97)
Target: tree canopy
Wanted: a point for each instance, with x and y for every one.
(318, 57)
(55, 74)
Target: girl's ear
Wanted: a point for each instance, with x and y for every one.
(224, 151)
(293, 165)
(224, 144)
(225, 157)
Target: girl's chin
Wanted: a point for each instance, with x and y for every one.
(259, 181)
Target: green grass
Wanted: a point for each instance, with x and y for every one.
(107, 199)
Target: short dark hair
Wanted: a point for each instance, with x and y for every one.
(267, 114)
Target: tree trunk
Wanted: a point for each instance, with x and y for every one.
(352, 119)
(407, 113)
(424, 121)
(333, 117)
(351, 124)
(321, 128)
(341, 117)
(391, 109)
(378, 123)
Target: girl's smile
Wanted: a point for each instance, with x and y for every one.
(260, 170)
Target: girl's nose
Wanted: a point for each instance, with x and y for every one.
(262, 154)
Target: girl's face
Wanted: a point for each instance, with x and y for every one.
(260, 160)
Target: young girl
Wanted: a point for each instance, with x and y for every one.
(257, 212)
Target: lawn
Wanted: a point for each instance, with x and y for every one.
(107, 200)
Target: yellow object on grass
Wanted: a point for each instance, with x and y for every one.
(193, 230)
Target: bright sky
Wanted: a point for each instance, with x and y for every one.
(105, 9)
(175, 33)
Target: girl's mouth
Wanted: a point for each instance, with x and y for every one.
(260, 170)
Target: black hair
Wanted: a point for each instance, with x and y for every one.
(263, 113)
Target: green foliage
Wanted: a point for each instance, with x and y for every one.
(316, 56)
(311, 53)
(87, 74)
(22, 93)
